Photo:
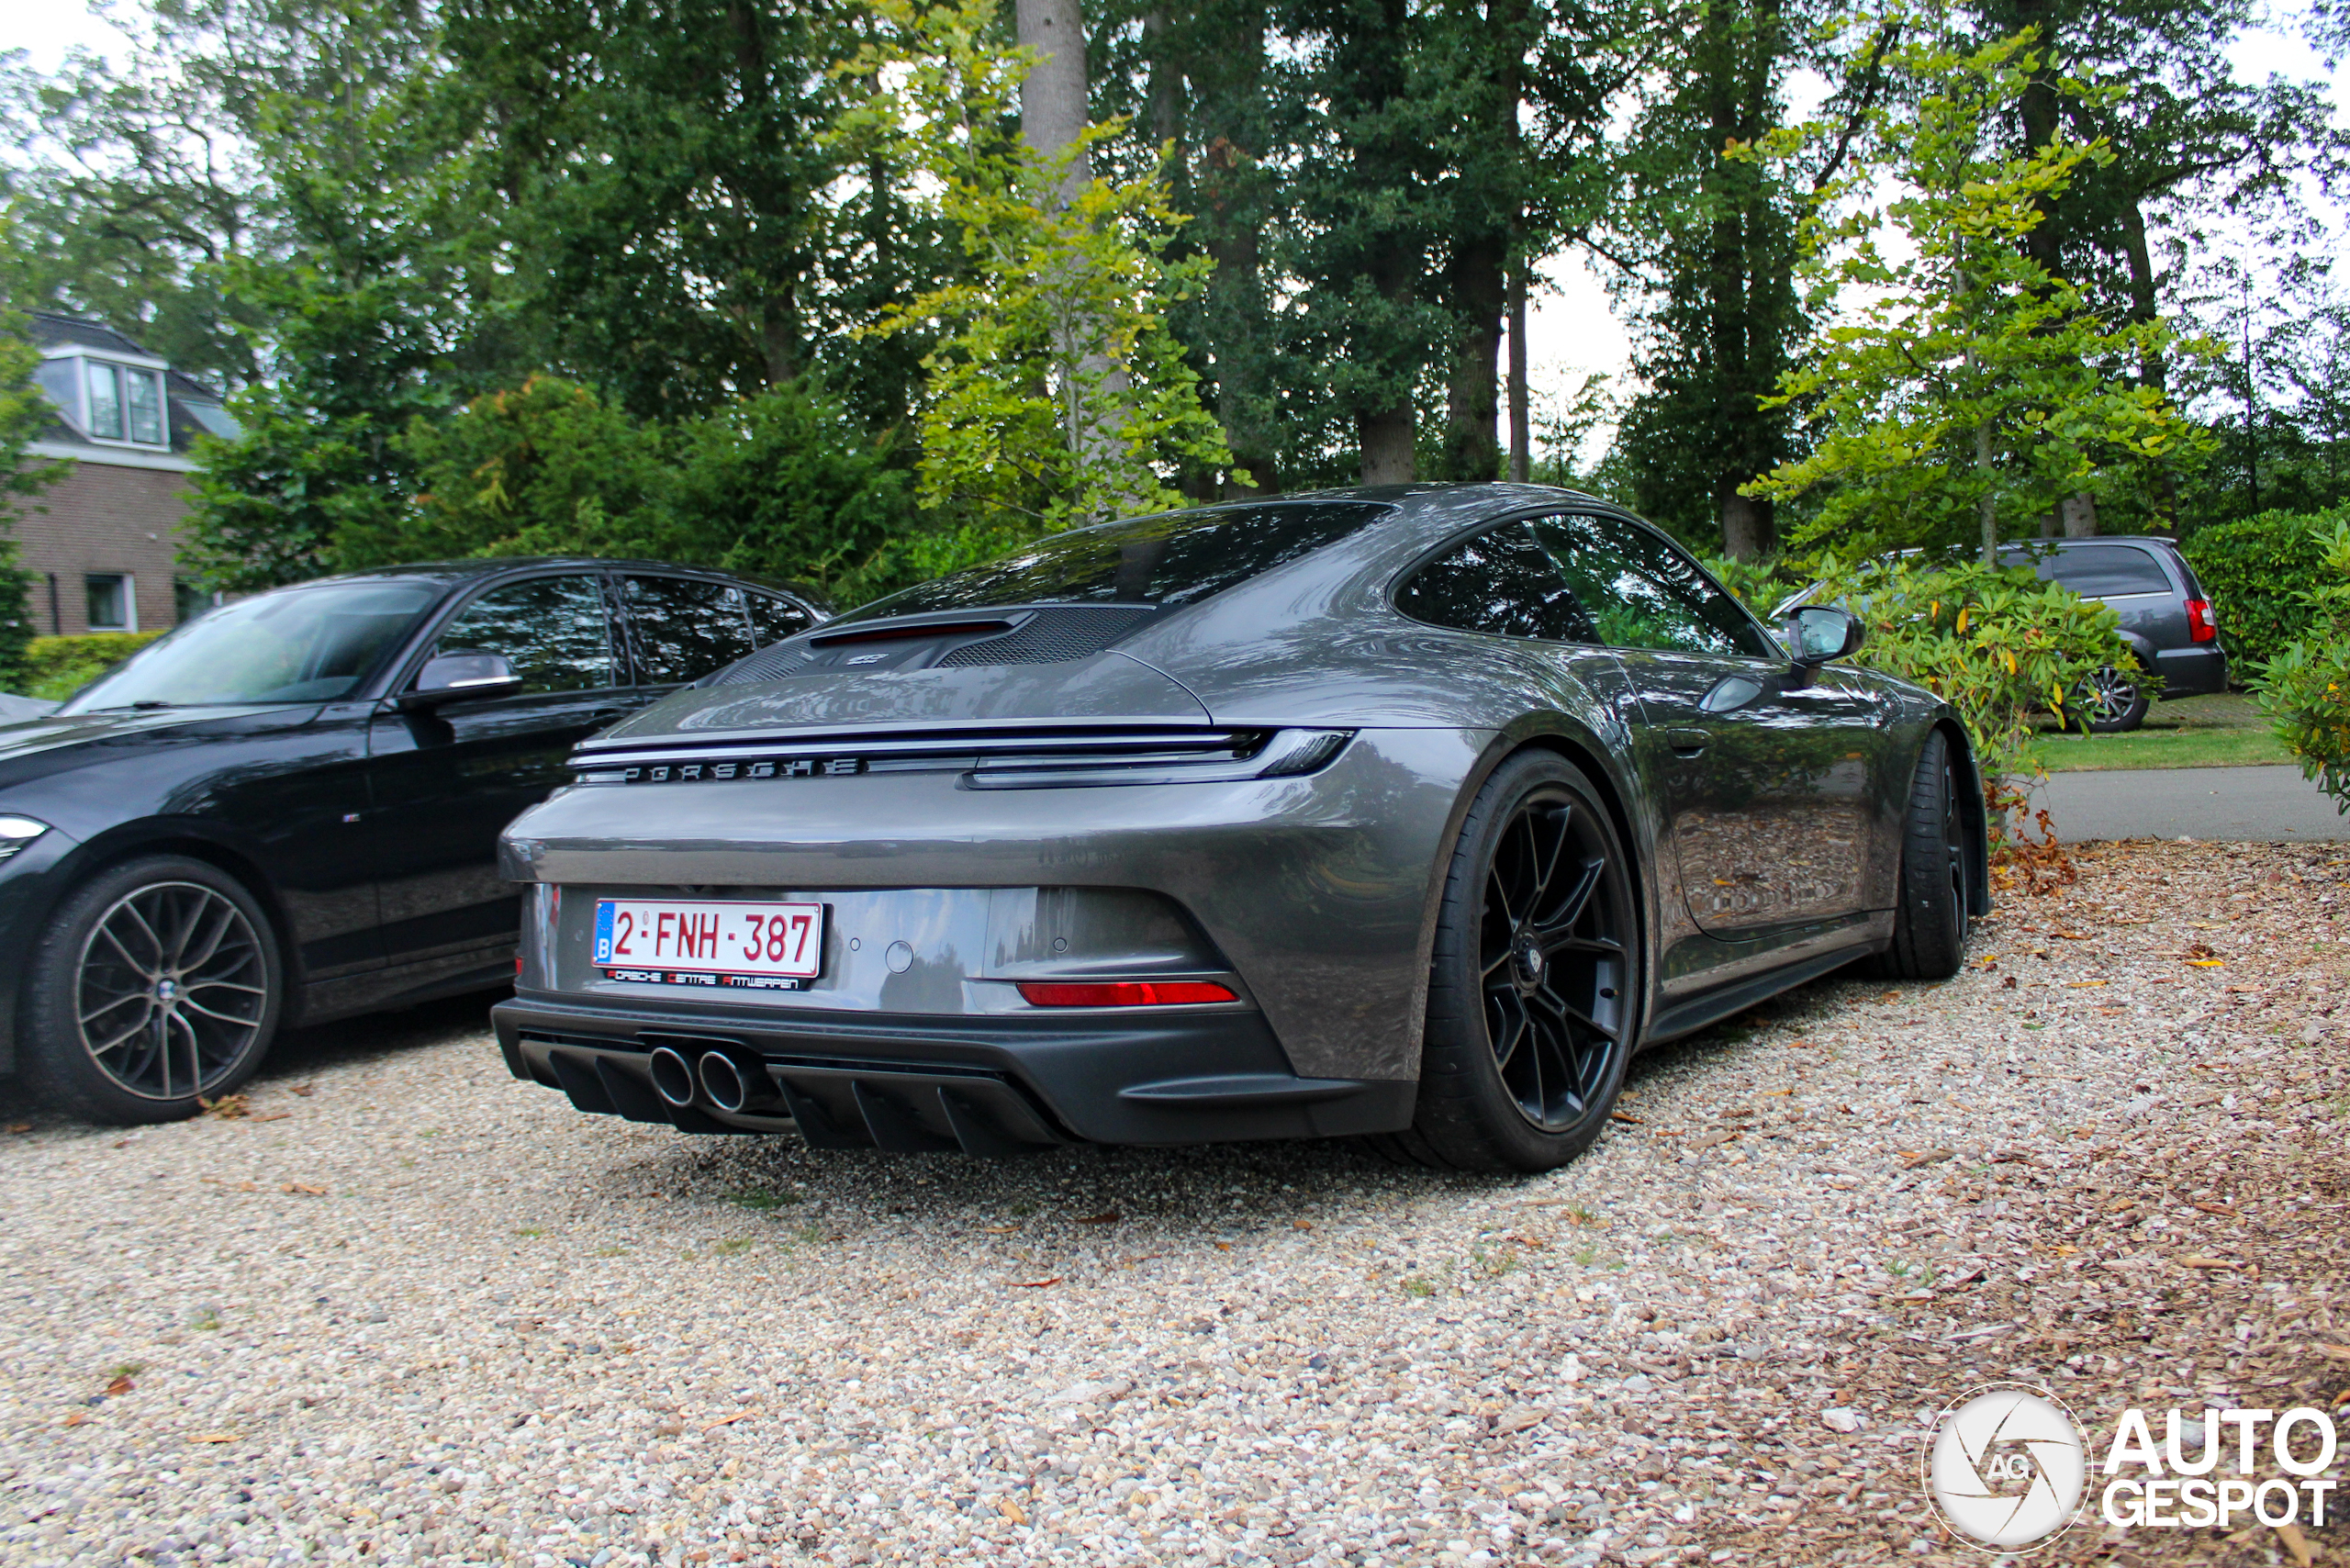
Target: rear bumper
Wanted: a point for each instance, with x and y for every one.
(2192, 672)
(989, 1086)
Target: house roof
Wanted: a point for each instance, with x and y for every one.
(183, 394)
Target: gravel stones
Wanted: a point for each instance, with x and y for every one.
(408, 1310)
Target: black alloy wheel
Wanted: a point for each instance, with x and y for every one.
(1533, 1003)
(2109, 702)
(155, 989)
(1930, 924)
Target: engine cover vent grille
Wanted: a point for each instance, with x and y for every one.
(1051, 636)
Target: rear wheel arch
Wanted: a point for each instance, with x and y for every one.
(136, 840)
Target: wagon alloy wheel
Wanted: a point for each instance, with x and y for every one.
(172, 990)
(1552, 960)
(2109, 699)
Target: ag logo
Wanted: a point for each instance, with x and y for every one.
(2006, 1466)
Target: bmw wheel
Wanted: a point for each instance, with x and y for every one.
(2110, 701)
(1535, 986)
(157, 986)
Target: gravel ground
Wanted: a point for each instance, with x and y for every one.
(409, 1310)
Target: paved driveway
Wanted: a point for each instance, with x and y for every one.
(2274, 805)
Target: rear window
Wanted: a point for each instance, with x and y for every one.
(1179, 559)
(2100, 571)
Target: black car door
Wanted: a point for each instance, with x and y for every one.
(448, 782)
(1765, 769)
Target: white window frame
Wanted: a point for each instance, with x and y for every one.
(129, 581)
(78, 413)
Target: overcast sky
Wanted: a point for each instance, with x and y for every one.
(1573, 333)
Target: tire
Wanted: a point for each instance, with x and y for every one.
(1536, 979)
(2109, 702)
(156, 986)
(1930, 924)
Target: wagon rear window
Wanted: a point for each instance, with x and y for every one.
(1179, 559)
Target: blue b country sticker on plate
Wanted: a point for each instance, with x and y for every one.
(603, 934)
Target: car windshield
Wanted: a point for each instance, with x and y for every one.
(297, 644)
(1179, 559)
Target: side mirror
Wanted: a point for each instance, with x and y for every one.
(1818, 633)
(464, 677)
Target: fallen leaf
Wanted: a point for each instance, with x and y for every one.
(1001, 1229)
(20, 1126)
(1109, 1217)
(1520, 1419)
(1776, 1093)
(1915, 1157)
(228, 1107)
(725, 1420)
(214, 1437)
(1627, 1120)
(304, 1090)
(1040, 1285)
(2081, 985)
(2206, 963)
(2339, 1352)
(1224, 1245)
(1013, 1511)
(1890, 996)
(121, 1386)
(2297, 1543)
(274, 1117)
(2220, 1209)
(304, 1189)
(2066, 1250)
(2208, 1263)
(2070, 935)
(76, 1417)
(1301, 1225)
(1711, 1139)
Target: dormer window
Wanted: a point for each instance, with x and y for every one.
(124, 403)
(110, 401)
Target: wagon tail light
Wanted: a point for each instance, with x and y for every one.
(2202, 624)
(1123, 993)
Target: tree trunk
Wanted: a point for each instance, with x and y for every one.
(1987, 510)
(2080, 516)
(1386, 439)
(1521, 459)
(1475, 279)
(1228, 197)
(1747, 532)
(1741, 60)
(1052, 96)
(2042, 108)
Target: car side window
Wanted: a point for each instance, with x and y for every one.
(1499, 582)
(1644, 593)
(773, 619)
(682, 629)
(554, 631)
(2103, 571)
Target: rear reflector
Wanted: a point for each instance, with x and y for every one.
(2201, 625)
(1123, 993)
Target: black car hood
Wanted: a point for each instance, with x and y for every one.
(58, 741)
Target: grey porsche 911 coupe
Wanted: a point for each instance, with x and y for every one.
(1410, 812)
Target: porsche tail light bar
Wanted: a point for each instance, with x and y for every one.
(1123, 993)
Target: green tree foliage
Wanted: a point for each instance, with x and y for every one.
(2257, 571)
(2305, 689)
(775, 485)
(1965, 392)
(1057, 394)
(24, 415)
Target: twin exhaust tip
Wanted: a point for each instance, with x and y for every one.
(718, 1079)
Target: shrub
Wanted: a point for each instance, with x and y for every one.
(2257, 571)
(2305, 689)
(57, 668)
(1994, 643)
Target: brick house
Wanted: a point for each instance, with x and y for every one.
(102, 554)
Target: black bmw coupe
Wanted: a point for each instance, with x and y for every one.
(288, 809)
(1411, 812)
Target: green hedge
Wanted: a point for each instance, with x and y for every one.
(2258, 571)
(57, 668)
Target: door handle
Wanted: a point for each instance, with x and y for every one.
(1687, 743)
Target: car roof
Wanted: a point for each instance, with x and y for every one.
(467, 571)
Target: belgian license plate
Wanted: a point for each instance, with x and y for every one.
(726, 943)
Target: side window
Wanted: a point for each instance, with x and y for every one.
(553, 630)
(682, 629)
(1644, 593)
(2102, 571)
(1499, 582)
(773, 620)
